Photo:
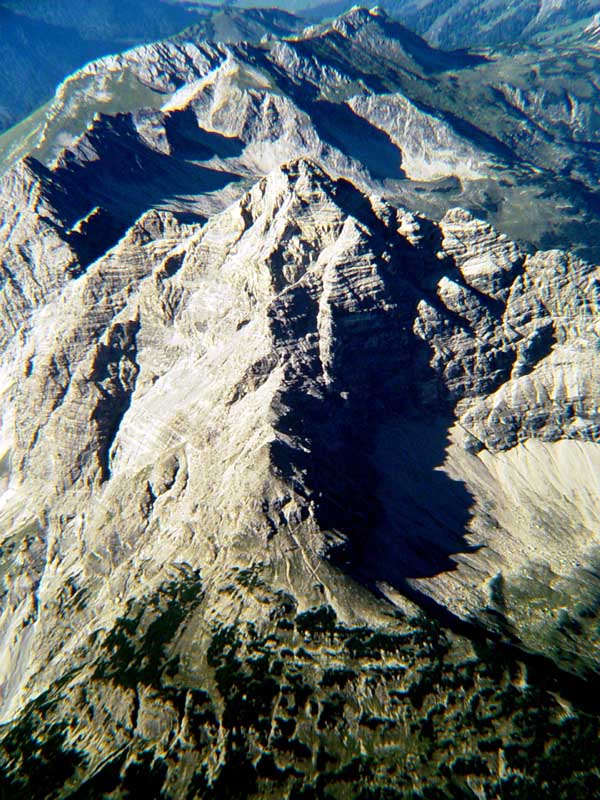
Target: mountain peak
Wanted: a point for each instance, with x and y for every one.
(358, 19)
(304, 167)
(360, 15)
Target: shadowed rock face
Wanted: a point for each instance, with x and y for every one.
(247, 439)
(465, 23)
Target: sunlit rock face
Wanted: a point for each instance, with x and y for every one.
(260, 433)
(466, 23)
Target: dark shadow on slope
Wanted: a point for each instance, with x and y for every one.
(188, 141)
(386, 33)
(423, 514)
(335, 57)
(580, 686)
(114, 371)
(338, 125)
(386, 76)
(114, 169)
(90, 236)
(374, 439)
(477, 136)
(424, 54)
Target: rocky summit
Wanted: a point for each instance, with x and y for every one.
(299, 484)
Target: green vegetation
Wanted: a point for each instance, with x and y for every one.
(131, 657)
(41, 42)
(313, 709)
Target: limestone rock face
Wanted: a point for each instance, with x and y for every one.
(41, 44)
(187, 126)
(36, 260)
(213, 394)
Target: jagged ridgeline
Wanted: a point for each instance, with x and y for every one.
(475, 23)
(511, 136)
(299, 485)
(42, 41)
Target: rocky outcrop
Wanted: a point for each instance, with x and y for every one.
(308, 389)
(41, 44)
(363, 96)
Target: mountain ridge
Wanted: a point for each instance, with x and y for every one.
(528, 141)
(40, 45)
(452, 24)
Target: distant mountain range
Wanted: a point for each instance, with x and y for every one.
(471, 23)
(517, 133)
(42, 42)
